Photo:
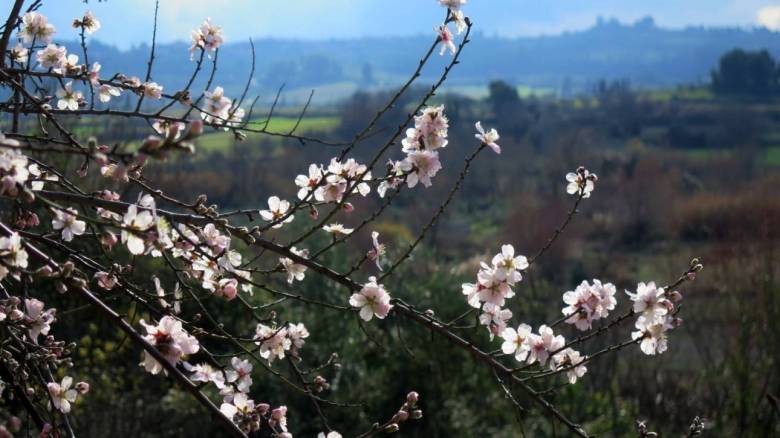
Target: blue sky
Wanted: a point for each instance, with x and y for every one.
(129, 22)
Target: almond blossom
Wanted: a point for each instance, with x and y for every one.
(459, 18)
(61, 394)
(309, 183)
(12, 253)
(106, 92)
(446, 39)
(297, 333)
(38, 320)
(573, 361)
(240, 375)
(277, 209)
(494, 318)
(170, 339)
(587, 303)
(488, 138)
(68, 98)
(88, 22)
(544, 344)
(241, 407)
(134, 223)
(52, 56)
(152, 90)
(36, 27)
(273, 342)
(508, 266)
(70, 65)
(295, 271)
(650, 301)
(372, 300)
(516, 341)
(581, 182)
(452, 5)
(19, 54)
(652, 331)
(66, 220)
(207, 37)
(377, 250)
(422, 166)
(337, 229)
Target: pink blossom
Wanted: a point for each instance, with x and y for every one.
(488, 138)
(372, 300)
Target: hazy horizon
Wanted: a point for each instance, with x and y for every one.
(350, 19)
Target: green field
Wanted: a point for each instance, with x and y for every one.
(220, 140)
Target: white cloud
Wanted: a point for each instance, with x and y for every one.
(769, 17)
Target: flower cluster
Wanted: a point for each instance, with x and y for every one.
(207, 37)
(170, 339)
(36, 28)
(456, 16)
(421, 146)
(544, 348)
(588, 303)
(220, 110)
(654, 307)
(275, 342)
(494, 285)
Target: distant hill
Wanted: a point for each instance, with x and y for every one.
(642, 53)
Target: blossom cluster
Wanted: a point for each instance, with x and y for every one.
(544, 348)
(494, 286)
(456, 15)
(421, 146)
(655, 310)
(588, 303)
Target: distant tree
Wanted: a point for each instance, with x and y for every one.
(503, 97)
(747, 73)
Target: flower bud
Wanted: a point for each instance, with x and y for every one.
(82, 387)
(391, 428)
(196, 128)
(412, 398)
(417, 414)
(401, 416)
(348, 207)
(676, 297)
(61, 288)
(262, 408)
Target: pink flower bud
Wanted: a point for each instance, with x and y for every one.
(82, 387)
(314, 213)
(676, 297)
(401, 416)
(279, 413)
(14, 423)
(263, 408)
(196, 128)
(151, 143)
(412, 397)
(691, 276)
(33, 220)
(103, 148)
(108, 240)
(348, 207)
